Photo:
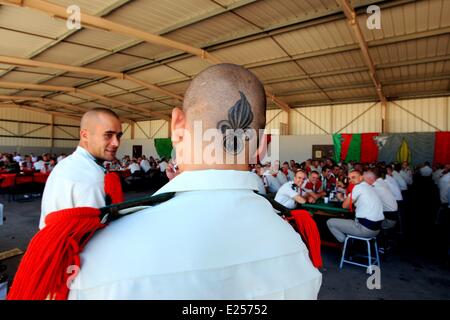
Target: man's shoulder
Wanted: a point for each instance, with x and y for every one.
(76, 168)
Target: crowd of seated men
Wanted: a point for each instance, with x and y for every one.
(377, 193)
(15, 163)
(142, 170)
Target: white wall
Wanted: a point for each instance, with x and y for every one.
(148, 147)
(299, 148)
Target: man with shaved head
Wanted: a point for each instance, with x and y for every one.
(216, 238)
(78, 180)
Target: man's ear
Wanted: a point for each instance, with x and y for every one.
(177, 125)
(83, 134)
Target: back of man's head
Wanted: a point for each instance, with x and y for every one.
(227, 101)
(228, 95)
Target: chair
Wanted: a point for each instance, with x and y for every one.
(369, 257)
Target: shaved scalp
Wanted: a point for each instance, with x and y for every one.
(226, 96)
(91, 117)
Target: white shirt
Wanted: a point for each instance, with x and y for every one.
(33, 158)
(77, 181)
(394, 187)
(437, 175)
(444, 185)
(426, 171)
(271, 182)
(259, 180)
(216, 239)
(18, 159)
(290, 175)
(367, 203)
(287, 193)
(386, 196)
(400, 180)
(281, 177)
(39, 165)
(145, 165)
(134, 167)
(163, 166)
(407, 175)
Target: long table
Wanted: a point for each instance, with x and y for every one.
(331, 208)
(323, 211)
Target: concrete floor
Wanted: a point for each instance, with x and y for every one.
(409, 271)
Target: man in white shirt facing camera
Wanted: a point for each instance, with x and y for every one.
(368, 211)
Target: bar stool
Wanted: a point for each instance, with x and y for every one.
(371, 260)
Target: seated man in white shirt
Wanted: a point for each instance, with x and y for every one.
(313, 186)
(393, 185)
(437, 173)
(426, 170)
(145, 165)
(163, 165)
(134, 167)
(400, 180)
(390, 206)
(216, 238)
(287, 172)
(272, 184)
(444, 186)
(258, 173)
(291, 193)
(406, 173)
(368, 211)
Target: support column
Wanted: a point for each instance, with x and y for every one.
(383, 116)
(132, 127)
(52, 132)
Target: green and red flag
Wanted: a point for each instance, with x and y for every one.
(359, 147)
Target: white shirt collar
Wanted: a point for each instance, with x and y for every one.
(85, 154)
(211, 180)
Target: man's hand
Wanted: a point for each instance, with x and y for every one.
(171, 172)
(311, 199)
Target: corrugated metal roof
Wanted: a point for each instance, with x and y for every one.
(251, 52)
(211, 31)
(415, 71)
(354, 78)
(323, 36)
(19, 44)
(410, 18)
(277, 71)
(64, 81)
(86, 6)
(151, 51)
(333, 62)
(67, 53)
(35, 22)
(155, 15)
(283, 88)
(22, 77)
(350, 93)
(190, 66)
(159, 74)
(116, 62)
(411, 89)
(411, 51)
(273, 12)
(99, 38)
